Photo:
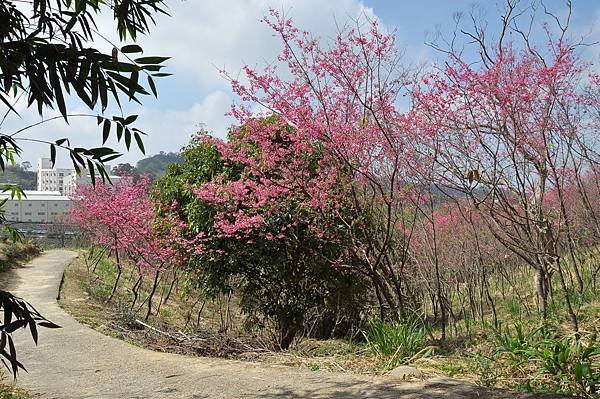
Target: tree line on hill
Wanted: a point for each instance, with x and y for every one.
(154, 166)
(21, 175)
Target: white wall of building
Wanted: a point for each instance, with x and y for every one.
(44, 163)
(37, 207)
(52, 179)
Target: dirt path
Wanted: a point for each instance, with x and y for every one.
(77, 362)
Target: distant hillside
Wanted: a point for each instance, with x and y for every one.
(155, 166)
(20, 176)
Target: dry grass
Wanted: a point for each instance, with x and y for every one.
(8, 391)
(16, 253)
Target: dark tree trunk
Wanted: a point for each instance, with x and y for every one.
(154, 285)
(542, 283)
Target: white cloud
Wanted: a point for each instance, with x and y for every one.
(204, 36)
(169, 130)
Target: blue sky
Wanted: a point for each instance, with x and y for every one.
(203, 36)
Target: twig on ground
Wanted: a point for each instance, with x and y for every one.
(166, 334)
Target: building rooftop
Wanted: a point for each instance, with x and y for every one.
(40, 196)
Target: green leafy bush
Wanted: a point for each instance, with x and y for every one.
(289, 271)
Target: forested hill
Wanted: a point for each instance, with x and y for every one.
(19, 175)
(155, 166)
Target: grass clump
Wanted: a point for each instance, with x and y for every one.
(397, 342)
(12, 253)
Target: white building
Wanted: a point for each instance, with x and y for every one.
(49, 178)
(36, 207)
(73, 180)
(65, 181)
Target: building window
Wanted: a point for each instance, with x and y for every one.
(41, 213)
(29, 205)
(27, 213)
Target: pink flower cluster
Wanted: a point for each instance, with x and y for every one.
(278, 171)
(120, 217)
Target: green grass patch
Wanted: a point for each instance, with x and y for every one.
(12, 392)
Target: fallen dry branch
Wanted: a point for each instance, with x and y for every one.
(156, 330)
(199, 343)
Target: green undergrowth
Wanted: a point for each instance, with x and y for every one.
(88, 287)
(398, 343)
(543, 360)
(87, 294)
(13, 253)
(518, 351)
(95, 282)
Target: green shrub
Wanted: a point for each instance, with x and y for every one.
(291, 285)
(398, 341)
(287, 294)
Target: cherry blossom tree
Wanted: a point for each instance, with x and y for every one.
(511, 128)
(266, 217)
(504, 130)
(120, 218)
(491, 151)
(343, 96)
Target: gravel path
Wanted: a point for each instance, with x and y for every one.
(78, 362)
